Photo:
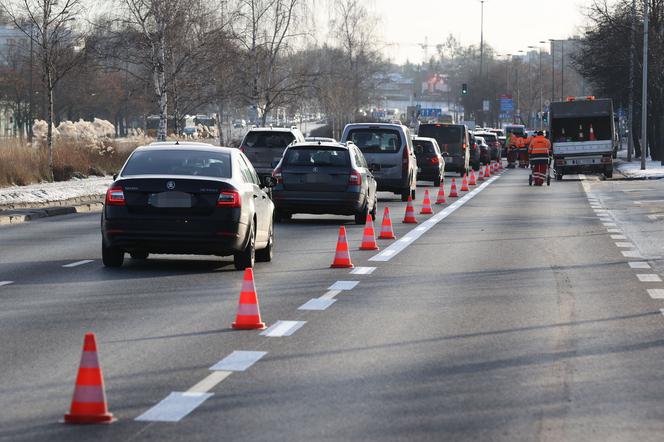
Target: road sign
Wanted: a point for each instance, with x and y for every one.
(431, 112)
(506, 103)
(547, 103)
(486, 106)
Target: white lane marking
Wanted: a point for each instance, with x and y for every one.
(174, 407)
(662, 310)
(610, 225)
(209, 382)
(283, 328)
(632, 254)
(78, 263)
(331, 294)
(639, 265)
(238, 361)
(614, 230)
(618, 237)
(317, 304)
(625, 244)
(656, 293)
(363, 270)
(414, 234)
(343, 285)
(5, 283)
(655, 217)
(649, 277)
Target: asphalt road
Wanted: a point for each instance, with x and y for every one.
(515, 317)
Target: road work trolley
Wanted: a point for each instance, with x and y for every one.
(540, 170)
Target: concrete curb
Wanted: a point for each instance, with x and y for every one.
(24, 215)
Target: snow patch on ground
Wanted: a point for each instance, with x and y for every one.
(50, 192)
(654, 169)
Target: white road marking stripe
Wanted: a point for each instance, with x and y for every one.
(655, 217)
(331, 294)
(662, 310)
(283, 328)
(618, 237)
(317, 304)
(209, 382)
(639, 265)
(78, 263)
(624, 244)
(649, 277)
(632, 254)
(414, 234)
(174, 407)
(363, 270)
(238, 361)
(656, 293)
(5, 283)
(343, 285)
(610, 225)
(613, 230)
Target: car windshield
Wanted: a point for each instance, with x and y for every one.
(268, 139)
(317, 156)
(374, 140)
(489, 138)
(423, 147)
(443, 134)
(179, 162)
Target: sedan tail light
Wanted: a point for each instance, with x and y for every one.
(276, 174)
(229, 199)
(435, 160)
(404, 161)
(355, 178)
(115, 197)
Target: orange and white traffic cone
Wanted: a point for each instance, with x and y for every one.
(453, 190)
(480, 177)
(487, 172)
(386, 231)
(410, 213)
(342, 255)
(591, 135)
(88, 406)
(369, 237)
(464, 184)
(426, 204)
(248, 314)
(441, 194)
(473, 180)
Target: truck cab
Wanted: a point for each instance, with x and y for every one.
(582, 136)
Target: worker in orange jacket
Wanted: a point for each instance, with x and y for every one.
(539, 153)
(523, 150)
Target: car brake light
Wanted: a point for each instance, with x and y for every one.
(435, 160)
(115, 196)
(404, 161)
(276, 174)
(355, 179)
(229, 199)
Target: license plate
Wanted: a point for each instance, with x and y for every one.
(449, 160)
(170, 200)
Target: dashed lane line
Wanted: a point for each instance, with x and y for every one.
(632, 254)
(2, 283)
(614, 230)
(330, 294)
(401, 244)
(362, 270)
(343, 285)
(238, 361)
(656, 293)
(649, 277)
(78, 263)
(317, 304)
(174, 407)
(210, 382)
(283, 328)
(639, 265)
(625, 244)
(618, 237)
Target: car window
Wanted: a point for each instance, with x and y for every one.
(359, 158)
(423, 147)
(376, 140)
(317, 156)
(248, 171)
(179, 162)
(267, 139)
(444, 134)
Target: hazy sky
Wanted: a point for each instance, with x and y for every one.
(509, 25)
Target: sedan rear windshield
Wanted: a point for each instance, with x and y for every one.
(317, 156)
(268, 139)
(423, 147)
(376, 140)
(442, 134)
(179, 162)
(489, 138)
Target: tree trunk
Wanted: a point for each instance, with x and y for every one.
(49, 130)
(220, 119)
(159, 73)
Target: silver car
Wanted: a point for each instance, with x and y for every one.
(264, 146)
(388, 148)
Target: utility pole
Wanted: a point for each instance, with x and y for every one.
(30, 117)
(644, 89)
(562, 70)
(630, 105)
(482, 38)
(553, 70)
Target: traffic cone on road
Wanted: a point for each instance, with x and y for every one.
(480, 178)
(410, 213)
(487, 172)
(441, 194)
(426, 204)
(464, 184)
(88, 406)
(386, 231)
(248, 314)
(369, 237)
(453, 189)
(591, 135)
(342, 255)
(473, 180)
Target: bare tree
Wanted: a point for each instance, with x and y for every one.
(48, 24)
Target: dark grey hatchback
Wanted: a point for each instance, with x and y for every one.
(324, 178)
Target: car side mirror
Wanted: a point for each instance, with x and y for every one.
(115, 176)
(269, 181)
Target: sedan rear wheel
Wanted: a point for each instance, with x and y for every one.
(361, 216)
(405, 193)
(112, 256)
(265, 255)
(247, 257)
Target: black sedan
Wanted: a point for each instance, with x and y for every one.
(188, 198)
(324, 178)
(430, 162)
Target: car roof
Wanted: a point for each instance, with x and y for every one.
(377, 125)
(320, 143)
(424, 139)
(273, 129)
(193, 145)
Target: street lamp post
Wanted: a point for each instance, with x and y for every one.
(541, 103)
(482, 37)
(644, 89)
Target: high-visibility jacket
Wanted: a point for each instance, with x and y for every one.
(519, 142)
(539, 146)
(527, 140)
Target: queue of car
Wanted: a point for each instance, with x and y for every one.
(195, 198)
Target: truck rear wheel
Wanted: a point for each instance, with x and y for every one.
(559, 176)
(608, 173)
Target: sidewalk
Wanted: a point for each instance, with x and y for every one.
(632, 170)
